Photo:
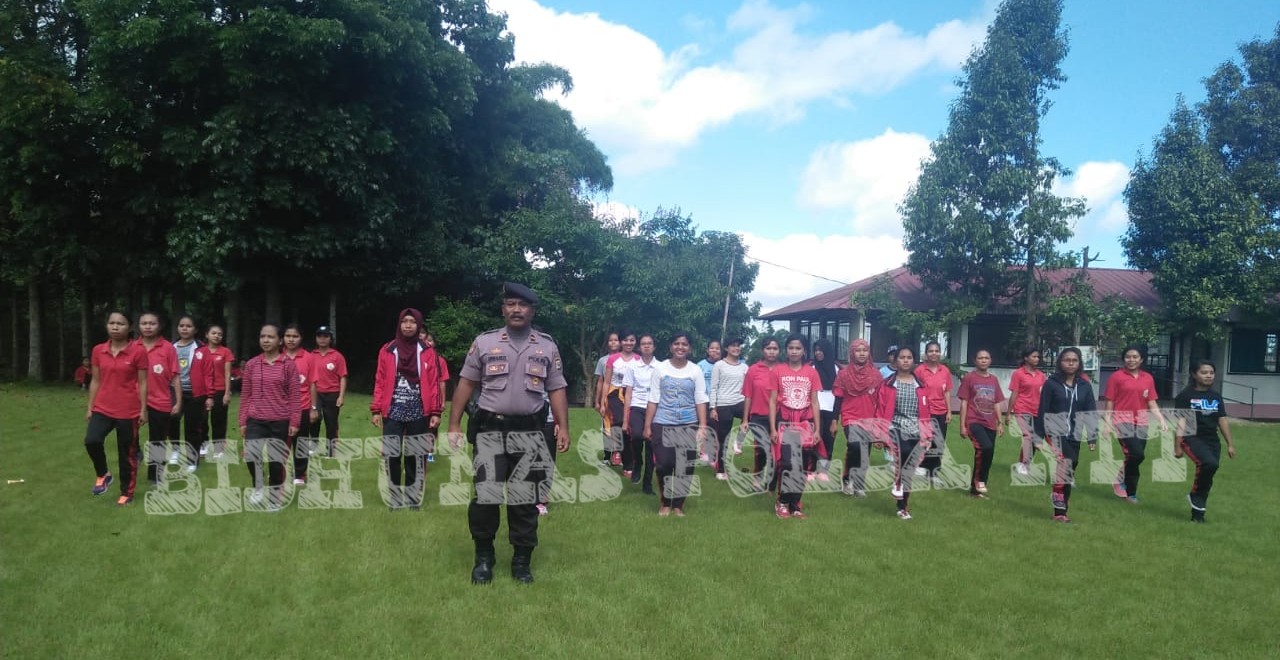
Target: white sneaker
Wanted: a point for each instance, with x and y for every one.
(204, 450)
(173, 458)
(904, 514)
(256, 498)
(191, 469)
(859, 493)
(920, 472)
(1022, 468)
(721, 476)
(737, 448)
(217, 456)
(299, 482)
(981, 487)
(897, 490)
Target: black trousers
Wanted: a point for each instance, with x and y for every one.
(760, 433)
(675, 448)
(791, 478)
(857, 455)
(907, 461)
(723, 426)
(300, 445)
(95, 438)
(1135, 452)
(549, 437)
(1068, 459)
(189, 426)
(218, 421)
(405, 446)
(822, 451)
(933, 458)
(157, 436)
(266, 441)
(619, 435)
(329, 410)
(1205, 453)
(984, 450)
(641, 465)
(506, 473)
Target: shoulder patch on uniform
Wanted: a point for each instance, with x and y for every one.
(472, 350)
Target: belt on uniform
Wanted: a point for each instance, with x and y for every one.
(502, 422)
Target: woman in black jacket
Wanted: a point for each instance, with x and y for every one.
(1068, 411)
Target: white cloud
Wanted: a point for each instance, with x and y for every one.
(798, 257)
(867, 178)
(610, 210)
(642, 105)
(1102, 185)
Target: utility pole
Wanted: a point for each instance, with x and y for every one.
(724, 323)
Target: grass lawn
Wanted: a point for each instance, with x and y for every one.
(966, 578)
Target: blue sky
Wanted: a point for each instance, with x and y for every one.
(800, 125)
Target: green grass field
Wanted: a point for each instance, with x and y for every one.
(80, 577)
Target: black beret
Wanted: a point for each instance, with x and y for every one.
(513, 290)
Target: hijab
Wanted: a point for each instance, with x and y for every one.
(858, 379)
(827, 365)
(407, 347)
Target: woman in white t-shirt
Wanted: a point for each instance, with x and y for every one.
(726, 399)
(617, 440)
(676, 423)
(638, 379)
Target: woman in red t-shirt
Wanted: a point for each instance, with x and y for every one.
(1128, 396)
(855, 387)
(980, 396)
(164, 392)
(1024, 404)
(937, 388)
(793, 407)
(117, 401)
(759, 384)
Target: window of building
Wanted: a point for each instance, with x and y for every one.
(1254, 351)
(836, 332)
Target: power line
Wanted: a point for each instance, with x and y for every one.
(794, 270)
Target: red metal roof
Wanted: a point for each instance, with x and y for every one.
(1131, 285)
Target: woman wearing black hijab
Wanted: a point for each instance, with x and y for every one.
(819, 458)
(406, 405)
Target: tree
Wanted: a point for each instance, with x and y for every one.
(982, 218)
(1242, 126)
(1192, 228)
(1076, 316)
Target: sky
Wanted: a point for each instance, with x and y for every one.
(800, 125)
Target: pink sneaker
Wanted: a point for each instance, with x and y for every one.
(810, 476)
(781, 510)
(823, 477)
(542, 509)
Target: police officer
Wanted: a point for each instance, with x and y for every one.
(513, 367)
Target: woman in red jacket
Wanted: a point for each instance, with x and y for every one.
(904, 410)
(406, 406)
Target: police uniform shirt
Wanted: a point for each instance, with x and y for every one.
(513, 379)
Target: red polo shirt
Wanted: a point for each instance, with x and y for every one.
(328, 370)
(117, 395)
(216, 372)
(936, 385)
(1129, 395)
(1027, 385)
(162, 365)
(302, 361)
(756, 385)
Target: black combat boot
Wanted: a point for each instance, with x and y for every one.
(520, 565)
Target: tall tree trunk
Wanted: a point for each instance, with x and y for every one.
(1032, 311)
(13, 329)
(35, 365)
(273, 306)
(61, 371)
(86, 311)
(333, 310)
(232, 311)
